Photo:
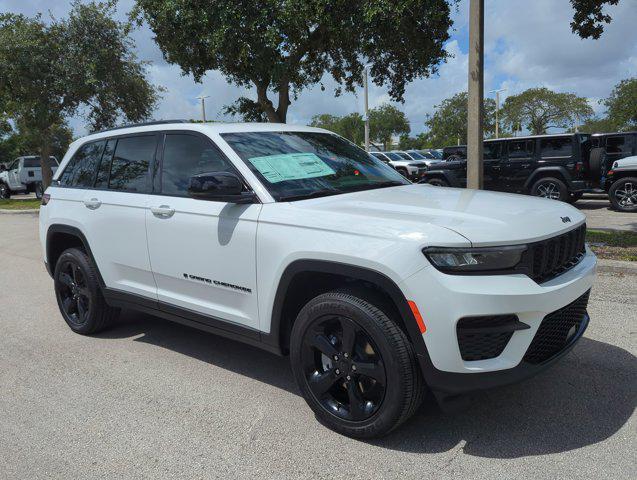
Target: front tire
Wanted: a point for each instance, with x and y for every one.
(5, 193)
(623, 194)
(550, 187)
(437, 182)
(355, 367)
(78, 293)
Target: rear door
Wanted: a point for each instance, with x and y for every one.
(106, 187)
(492, 165)
(203, 252)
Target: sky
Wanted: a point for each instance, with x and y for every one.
(527, 44)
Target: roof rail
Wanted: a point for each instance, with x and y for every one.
(144, 124)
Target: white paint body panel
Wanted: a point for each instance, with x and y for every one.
(383, 230)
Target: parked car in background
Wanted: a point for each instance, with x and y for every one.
(434, 154)
(457, 152)
(621, 184)
(428, 158)
(408, 168)
(606, 148)
(551, 166)
(23, 175)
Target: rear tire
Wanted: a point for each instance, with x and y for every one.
(39, 191)
(623, 194)
(79, 295)
(437, 182)
(354, 366)
(550, 187)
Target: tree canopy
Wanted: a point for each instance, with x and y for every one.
(448, 124)
(622, 105)
(539, 109)
(589, 17)
(17, 141)
(83, 64)
(280, 48)
(386, 121)
(351, 126)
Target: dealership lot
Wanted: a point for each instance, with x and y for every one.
(153, 399)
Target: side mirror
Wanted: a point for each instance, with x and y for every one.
(220, 186)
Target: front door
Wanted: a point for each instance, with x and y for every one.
(14, 176)
(202, 252)
(519, 164)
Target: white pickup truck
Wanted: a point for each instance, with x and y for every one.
(23, 175)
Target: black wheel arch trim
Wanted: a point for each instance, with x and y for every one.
(449, 176)
(547, 171)
(73, 231)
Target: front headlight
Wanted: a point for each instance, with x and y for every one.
(467, 260)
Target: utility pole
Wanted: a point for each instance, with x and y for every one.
(366, 108)
(476, 93)
(203, 106)
(497, 110)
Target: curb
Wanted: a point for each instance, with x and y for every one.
(19, 212)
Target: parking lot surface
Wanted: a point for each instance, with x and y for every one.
(600, 215)
(152, 399)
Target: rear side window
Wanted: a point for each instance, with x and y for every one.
(617, 144)
(187, 155)
(492, 150)
(105, 164)
(129, 168)
(556, 147)
(81, 169)
(520, 149)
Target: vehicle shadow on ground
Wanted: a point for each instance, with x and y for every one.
(582, 400)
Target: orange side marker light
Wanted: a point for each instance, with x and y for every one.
(417, 316)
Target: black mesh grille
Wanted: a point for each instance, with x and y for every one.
(557, 330)
(552, 257)
(477, 342)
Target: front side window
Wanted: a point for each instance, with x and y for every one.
(520, 149)
(188, 155)
(131, 161)
(297, 165)
(81, 170)
(556, 147)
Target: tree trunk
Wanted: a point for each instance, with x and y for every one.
(279, 114)
(45, 153)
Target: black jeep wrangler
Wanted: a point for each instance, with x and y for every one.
(551, 166)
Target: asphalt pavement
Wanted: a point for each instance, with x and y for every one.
(152, 399)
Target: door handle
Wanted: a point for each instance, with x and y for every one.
(163, 211)
(92, 204)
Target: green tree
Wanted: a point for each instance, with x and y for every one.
(448, 124)
(54, 70)
(597, 125)
(15, 142)
(280, 48)
(589, 17)
(386, 121)
(350, 126)
(622, 105)
(246, 109)
(539, 109)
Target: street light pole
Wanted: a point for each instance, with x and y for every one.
(203, 106)
(475, 114)
(497, 110)
(366, 109)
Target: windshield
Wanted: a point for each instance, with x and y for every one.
(297, 165)
(436, 154)
(393, 156)
(416, 155)
(404, 156)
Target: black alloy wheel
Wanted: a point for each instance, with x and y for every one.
(623, 194)
(354, 365)
(550, 187)
(73, 293)
(79, 295)
(343, 368)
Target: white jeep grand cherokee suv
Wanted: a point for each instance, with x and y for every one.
(296, 241)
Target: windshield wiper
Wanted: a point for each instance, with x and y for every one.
(370, 186)
(316, 193)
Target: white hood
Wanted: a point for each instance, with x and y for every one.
(484, 218)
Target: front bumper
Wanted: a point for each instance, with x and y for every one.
(444, 299)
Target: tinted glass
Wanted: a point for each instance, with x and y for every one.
(393, 156)
(82, 168)
(35, 162)
(556, 147)
(403, 155)
(105, 164)
(129, 169)
(492, 150)
(416, 155)
(520, 149)
(188, 155)
(297, 165)
(617, 145)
